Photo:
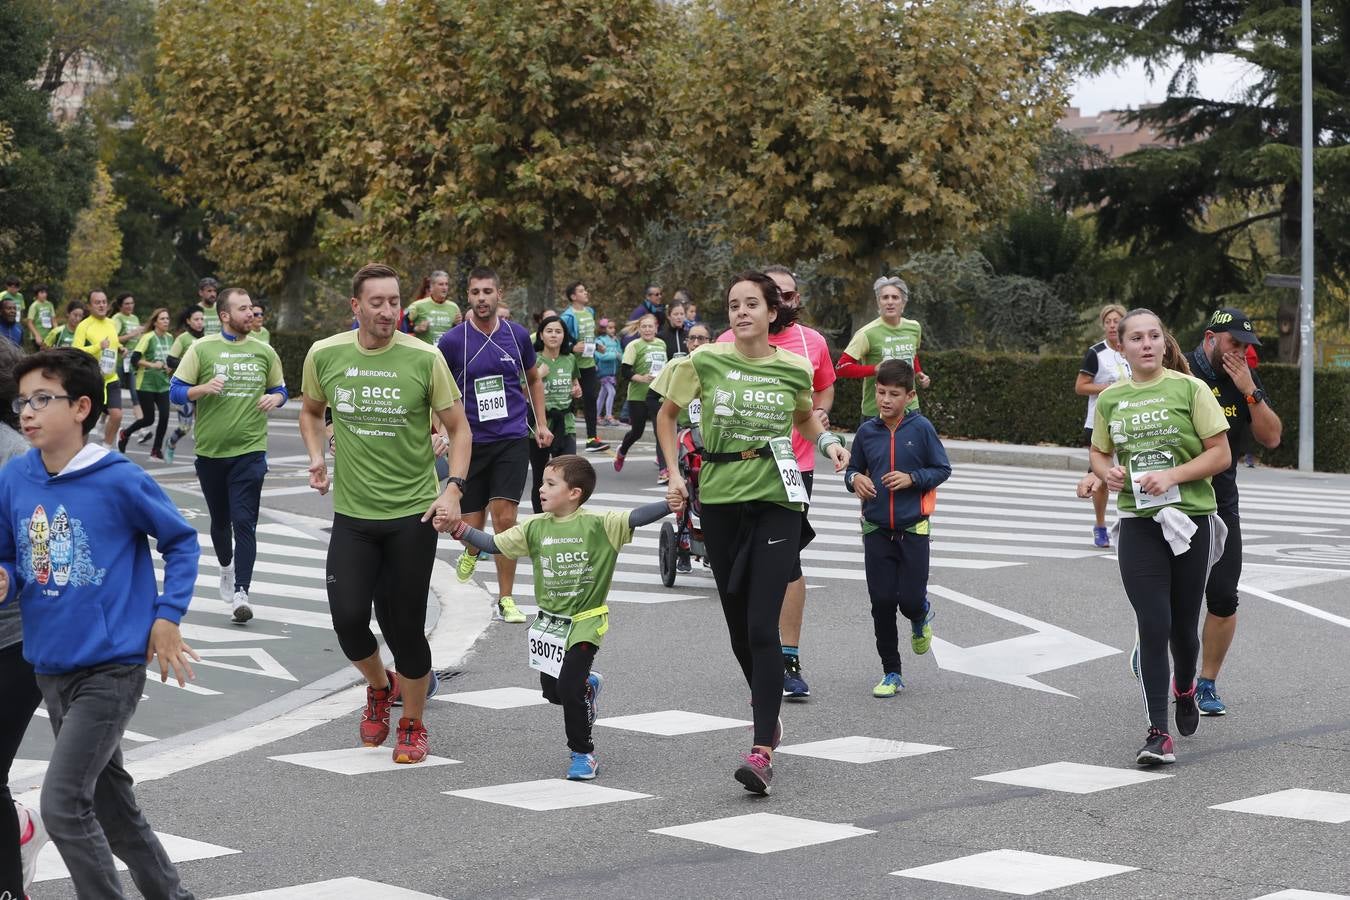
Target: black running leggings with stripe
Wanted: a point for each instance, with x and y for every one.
(639, 411)
(753, 549)
(150, 402)
(385, 564)
(568, 690)
(1167, 593)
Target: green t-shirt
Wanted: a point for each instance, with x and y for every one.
(558, 385)
(1159, 424)
(43, 316)
(585, 320)
(745, 402)
(382, 402)
(212, 324)
(126, 324)
(440, 318)
(60, 336)
(181, 345)
(574, 559)
(875, 342)
(262, 334)
(646, 358)
(153, 348)
(230, 423)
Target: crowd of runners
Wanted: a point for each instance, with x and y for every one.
(426, 419)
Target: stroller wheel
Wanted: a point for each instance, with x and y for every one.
(667, 549)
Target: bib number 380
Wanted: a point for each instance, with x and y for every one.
(788, 470)
(547, 642)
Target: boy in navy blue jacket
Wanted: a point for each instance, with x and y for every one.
(74, 522)
(897, 464)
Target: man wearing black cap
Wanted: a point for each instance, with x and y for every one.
(1221, 362)
(206, 299)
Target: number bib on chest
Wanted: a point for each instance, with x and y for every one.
(1152, 461)
(655, 365)
(547, 640)
(788, 471)
(490, 392)
(45, 319)
(588, 349)
(107, 361)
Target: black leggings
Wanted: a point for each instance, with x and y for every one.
(1166, 592)
(385, 564)
(1221, 593)
(569, 691)
(151, 401)
(590, 389)
(753, 549)
(563, 443)
(639, 411)
(17, 702)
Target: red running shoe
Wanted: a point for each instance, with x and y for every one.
(411, 746)
(375, 720)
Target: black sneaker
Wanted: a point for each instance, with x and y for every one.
(1157, 750)
(794, 685)
(595, 445)
(122, 438)
(1188, 713)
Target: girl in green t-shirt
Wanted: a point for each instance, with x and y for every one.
(751, 490)
(1157, 439)
(558, 371)
(129, 331)
(150, 360)
(643, 361)
(64, 335)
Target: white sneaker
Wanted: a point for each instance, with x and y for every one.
(30, 843)
(242, 611)
(227, 583)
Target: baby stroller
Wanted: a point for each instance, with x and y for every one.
(682, 540)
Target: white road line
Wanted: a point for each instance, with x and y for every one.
(1294, 604)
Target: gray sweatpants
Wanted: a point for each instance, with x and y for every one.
(87, 803)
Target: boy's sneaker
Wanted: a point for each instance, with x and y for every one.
(889, 686)
(242, 611)
(1188, 714)
(1100, 536)
(583, 767)
(921, 633)
(375, 720)
(595, 445)
(794, 685)
(594, 682)
(1207, 698)
(1157, 750)
(663, 476)
(32, 838)
(464, 566)
(411, 746)
(755, 773)
(507, 611)
(143, 437)
(122, 438)
(227, 583)
(618, 462)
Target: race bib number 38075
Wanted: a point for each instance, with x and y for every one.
(547, 642)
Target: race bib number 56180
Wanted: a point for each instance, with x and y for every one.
(490, 393)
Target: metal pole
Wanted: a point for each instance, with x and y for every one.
(1305, 329)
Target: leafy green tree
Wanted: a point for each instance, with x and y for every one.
(516, 131)
(1241, 153)
(858, 133)
(96, 243)
(258, 109)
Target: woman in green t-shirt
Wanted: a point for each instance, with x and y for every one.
(562, 384)
(1157, 439)
(750, 488)
(889, 336)
(150, 360)
(643, 361)
(129, 331)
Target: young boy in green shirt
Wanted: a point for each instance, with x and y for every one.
(574, 553)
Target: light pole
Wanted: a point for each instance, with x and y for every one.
(1305, 326)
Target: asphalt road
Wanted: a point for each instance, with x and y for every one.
(1029, 670)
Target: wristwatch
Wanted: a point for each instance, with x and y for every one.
(1255, 397)
(456, 481)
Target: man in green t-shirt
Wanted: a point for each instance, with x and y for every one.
(384, 388)
(235, 381)
(207, 289)
(41, 316)
(889, 336)
(434, 315)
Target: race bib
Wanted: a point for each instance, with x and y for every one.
(107, 361)
(696, 411)
(1152, 461)
(45, 319)
(655, 365)
(491, 395)
(588, 350)
(547, 640)
(788, 471)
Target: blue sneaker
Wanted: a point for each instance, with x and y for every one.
(1207, 698)
(794, 685)
(1101, 537)
(594, 682)
(583, 767)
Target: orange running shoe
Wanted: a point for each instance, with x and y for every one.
(375, 720)
(411, 746)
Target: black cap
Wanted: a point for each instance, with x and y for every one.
(1236, 323)
(207, 282)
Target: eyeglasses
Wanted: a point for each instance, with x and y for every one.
(789, 295)
(696, 339)
(37, 401)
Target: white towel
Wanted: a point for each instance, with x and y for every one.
(1178, 529)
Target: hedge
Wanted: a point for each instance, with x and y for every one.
(1026, 399)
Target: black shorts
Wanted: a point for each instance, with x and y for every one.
(113, 391)
(498, 470)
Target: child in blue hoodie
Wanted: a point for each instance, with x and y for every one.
(74, 523)
(897, 464)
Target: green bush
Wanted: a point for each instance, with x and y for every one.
(1026, 399)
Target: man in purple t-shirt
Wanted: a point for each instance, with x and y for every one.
(493, 362)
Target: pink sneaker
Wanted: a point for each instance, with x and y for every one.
(618, 462)
(755, 773)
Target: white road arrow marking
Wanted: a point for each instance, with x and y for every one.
(209, 634)
(1014, 660)
(266, 663)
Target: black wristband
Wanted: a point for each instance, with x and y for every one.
(456, 481)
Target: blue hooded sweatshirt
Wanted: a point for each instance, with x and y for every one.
(76, 551)
(914, 448)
